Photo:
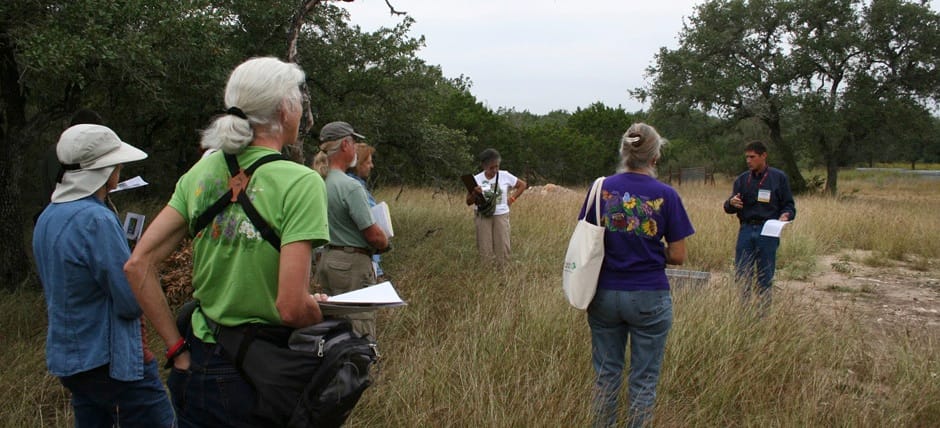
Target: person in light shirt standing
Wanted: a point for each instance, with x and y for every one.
(499, 189)
(346, 263)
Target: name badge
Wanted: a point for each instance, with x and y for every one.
(763, 195)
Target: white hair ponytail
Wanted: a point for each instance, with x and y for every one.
(256, 92)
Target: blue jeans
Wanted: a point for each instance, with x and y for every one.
(643, 317)
(755, 259)
(211, 393)
(100, 401)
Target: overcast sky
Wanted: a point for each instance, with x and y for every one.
(540, 55)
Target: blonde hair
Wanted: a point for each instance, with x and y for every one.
(639, 147)
(258, 89)
(321, 164)
(363, 152)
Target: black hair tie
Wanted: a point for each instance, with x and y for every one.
(235, 111)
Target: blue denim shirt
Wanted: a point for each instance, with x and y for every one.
(94, 319)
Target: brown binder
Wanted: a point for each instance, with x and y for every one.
(469, 182)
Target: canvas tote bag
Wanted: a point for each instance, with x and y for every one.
(585, 254)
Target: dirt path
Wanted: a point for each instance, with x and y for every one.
(892, 295)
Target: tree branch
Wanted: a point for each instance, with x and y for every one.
(295, 151)
(391, 8)
(297, 23)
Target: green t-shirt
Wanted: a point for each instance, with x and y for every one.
(349, 210)
(235, 271)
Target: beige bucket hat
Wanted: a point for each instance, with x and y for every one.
(88, 154)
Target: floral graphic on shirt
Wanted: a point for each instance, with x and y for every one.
(232, 224)
(631, 213)
(248, 230)
(493, 192)
(649, 227)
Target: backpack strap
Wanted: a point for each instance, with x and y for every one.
(238, 183)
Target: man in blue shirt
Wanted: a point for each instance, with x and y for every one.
(762, 193)
(95, 342)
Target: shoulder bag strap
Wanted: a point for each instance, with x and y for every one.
(594, 195)
(237, 184)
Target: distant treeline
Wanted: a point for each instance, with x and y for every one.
(155, 71)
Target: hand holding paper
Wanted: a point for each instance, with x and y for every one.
(773, 228)
(365, 299)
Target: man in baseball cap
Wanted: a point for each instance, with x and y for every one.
(354, 235)
(94, 342)
(334, 131)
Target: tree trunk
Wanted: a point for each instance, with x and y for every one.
(832, 176)
(14, 261)
(786, 155)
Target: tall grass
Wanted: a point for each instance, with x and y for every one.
(482, 346)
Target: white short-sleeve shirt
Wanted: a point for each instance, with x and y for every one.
(506, 182)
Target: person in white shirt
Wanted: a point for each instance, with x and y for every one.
(496, 191)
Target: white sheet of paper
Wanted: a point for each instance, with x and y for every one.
(380, 294)
(773, 228)
(130, 184)
(383, 218)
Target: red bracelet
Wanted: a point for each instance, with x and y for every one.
(176, 349)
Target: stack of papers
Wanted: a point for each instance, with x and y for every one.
(365, 299)
(383, 218)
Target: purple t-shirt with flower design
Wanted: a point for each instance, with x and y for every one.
(639, 213)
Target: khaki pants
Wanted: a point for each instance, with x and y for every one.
(340, 272)
(493, 238)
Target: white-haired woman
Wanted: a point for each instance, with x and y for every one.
(646, 226)
(239, 277)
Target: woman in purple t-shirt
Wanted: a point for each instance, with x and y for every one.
(646, 226)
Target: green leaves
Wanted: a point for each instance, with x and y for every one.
(801, 67)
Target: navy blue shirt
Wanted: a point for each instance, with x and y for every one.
(766, 195)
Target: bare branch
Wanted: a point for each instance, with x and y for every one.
(297, 22)
(392, 10)
(295, 151)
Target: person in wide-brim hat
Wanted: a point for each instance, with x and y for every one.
(94, 343)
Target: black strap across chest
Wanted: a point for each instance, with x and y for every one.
(238, 183)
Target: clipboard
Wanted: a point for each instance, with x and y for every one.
(469, 182)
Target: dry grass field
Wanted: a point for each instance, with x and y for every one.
(852, 340)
